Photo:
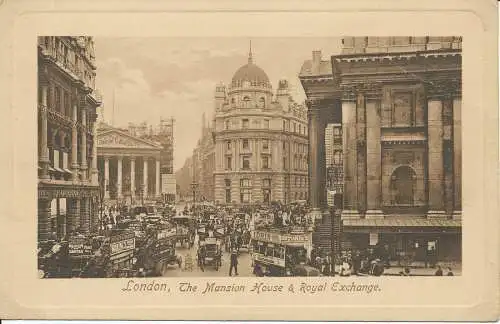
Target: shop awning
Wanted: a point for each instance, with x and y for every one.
(402, 222)
(67, 171)
(52, 169)
(401, 225)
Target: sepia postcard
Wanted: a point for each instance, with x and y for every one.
(250, 161)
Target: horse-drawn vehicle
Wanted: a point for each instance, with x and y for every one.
(210, 253)
(184, 230)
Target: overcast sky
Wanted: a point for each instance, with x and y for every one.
(176, 77)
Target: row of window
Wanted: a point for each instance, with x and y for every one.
(288, 126)
(68, 58)
(59, 99)
(298, 147)
(245, 124)
(247, 102)
(294, 127)
(245, 162)
(246, 195)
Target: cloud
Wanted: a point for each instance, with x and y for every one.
(150, 78)
(128, 97)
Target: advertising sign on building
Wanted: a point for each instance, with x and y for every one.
(168, 184)
(79, 246)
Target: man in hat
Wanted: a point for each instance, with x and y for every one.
(234, 262)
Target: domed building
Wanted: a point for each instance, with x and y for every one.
(260, 140)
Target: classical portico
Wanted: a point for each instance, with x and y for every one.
(128, 166)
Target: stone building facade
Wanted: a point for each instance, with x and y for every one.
(129, 166)
(399, 102)
(260, 141)
(67, 152)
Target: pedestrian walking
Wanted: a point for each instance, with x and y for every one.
(450, 273)
(234, 262)
(439, 271)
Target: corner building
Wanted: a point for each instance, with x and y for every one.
(399, 102)
(260, 141)
(67, 148)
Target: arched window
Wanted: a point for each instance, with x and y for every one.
(262, 102)
(246, 102)
(403, 186)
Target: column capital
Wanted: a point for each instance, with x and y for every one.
(371, 90)
(444, 89)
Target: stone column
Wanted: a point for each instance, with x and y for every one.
(83, 149)
(349, 144)
(73, 212)
(373, 157)
(435, 158)
(43, 220)
(94, 217)
(74, 143)
(457, 157)
(317, 160)
(145, 177)
(119, 177)
(106, 177)
(85, 215)
(360, 125)
(157, 187)
(94, 170)
(132, 177)
(44, 150)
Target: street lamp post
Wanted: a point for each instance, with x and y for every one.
(194, 186)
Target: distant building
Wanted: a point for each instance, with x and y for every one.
(261, 144)
(163, 134)
(68, 187)
(334, 163)
(129, 166)
(184, 177)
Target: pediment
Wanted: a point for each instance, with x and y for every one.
(112, 138)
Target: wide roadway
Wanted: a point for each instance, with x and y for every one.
(244, 262)
(191, 269)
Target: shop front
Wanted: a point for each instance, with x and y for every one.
(407, 241)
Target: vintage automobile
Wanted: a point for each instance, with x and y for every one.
(212, 255)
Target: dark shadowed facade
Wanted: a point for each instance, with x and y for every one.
(399, 102)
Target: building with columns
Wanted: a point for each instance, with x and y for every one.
(260, 140)
(128, 165)
(164, 135)
(67, 153)
(399, 102)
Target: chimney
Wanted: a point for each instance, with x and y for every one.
(316, 61)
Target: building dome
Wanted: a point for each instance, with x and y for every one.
(250, 72)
